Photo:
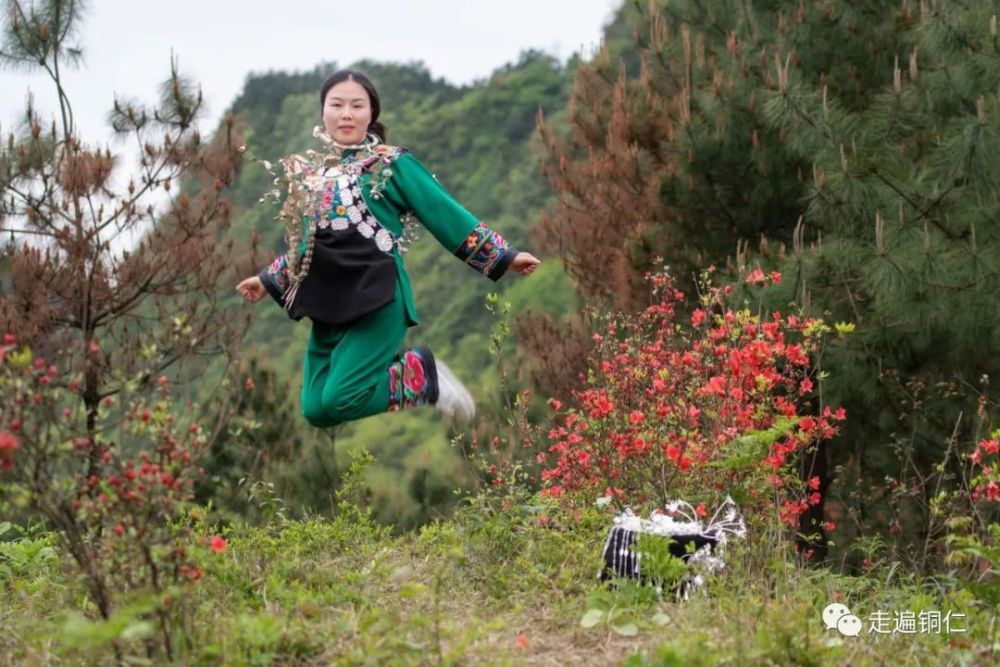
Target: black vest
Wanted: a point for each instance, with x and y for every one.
(349, 275)
(348, 278)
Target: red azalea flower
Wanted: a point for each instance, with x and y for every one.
(796, 356)
(693, 414)
(716, 386)
(8, 441)
(218, 544)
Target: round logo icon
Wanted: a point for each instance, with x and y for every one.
(849, 625)
(833, 613)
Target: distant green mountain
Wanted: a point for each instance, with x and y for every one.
(480, 142)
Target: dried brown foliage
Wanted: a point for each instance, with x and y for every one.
(655, 167)
(557, 351)
(668, 153)
(608, 175)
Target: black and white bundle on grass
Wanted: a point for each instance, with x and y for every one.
(700, 545)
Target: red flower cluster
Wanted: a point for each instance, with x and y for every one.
(136, 497)
(8, 443)
(987, 482)
(670, 406)
(125, 492)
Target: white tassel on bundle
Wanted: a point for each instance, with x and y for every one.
(662, 522)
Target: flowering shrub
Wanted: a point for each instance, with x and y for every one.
(721, 402)
(986, 461)
(118, 493)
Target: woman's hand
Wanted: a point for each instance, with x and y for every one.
(252, 289)
(524, 263)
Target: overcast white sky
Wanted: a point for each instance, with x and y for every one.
(127, 44)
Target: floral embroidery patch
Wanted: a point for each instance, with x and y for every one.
(409, 385)
(278, 271)
(482, 249)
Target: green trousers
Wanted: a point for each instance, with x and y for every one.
(346, 370)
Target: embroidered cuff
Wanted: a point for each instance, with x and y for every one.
(486, 251)
(275, 279)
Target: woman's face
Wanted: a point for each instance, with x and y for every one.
(347, 112)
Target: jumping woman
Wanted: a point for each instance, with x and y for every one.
(347, 275)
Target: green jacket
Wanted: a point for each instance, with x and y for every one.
(393, 184)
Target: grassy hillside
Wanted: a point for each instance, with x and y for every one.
(508, 581)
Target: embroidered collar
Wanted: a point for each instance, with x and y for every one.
(355, 161)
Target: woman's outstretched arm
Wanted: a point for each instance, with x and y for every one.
(455, 228)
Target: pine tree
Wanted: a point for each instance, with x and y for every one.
(110, 312)
(902, 206)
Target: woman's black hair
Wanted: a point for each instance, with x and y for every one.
(340, 76)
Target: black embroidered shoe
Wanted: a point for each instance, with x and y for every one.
(412, 379)
(432, 388)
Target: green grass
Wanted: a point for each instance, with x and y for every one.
(491, 587)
